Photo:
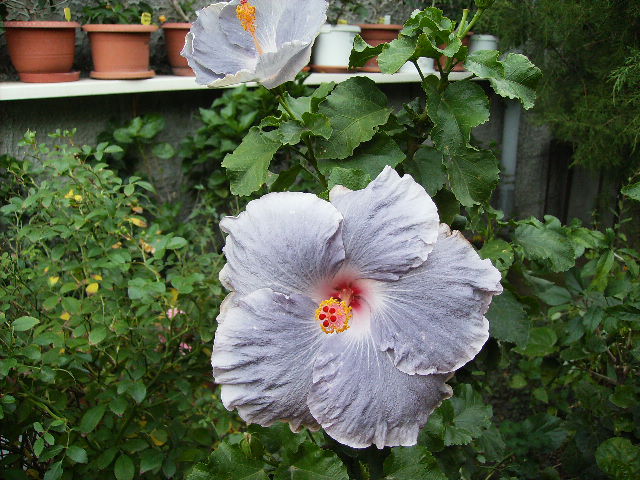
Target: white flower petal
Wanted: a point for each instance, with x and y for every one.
(276, 68)
(289, 242)
(209, 53)
(432, 319)
(389, 227)
(233, 79)
(263, 357)
(360, 398)
(300, 23)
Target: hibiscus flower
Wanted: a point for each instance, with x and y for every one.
(267, 41)
(348, 315)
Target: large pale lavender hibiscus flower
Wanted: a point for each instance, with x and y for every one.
(268, 41)
(348, 315)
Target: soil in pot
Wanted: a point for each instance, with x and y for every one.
(375, 34)
(174, 36)
(120, 51)
(43, 52)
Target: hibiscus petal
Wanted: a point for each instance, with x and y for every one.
(290, 242)
(209, 53)
(432, 319)
(263, 357)
(389, 227)
(301, 23)
(361, 399)
(276, 68)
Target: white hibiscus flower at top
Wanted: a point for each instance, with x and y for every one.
(268, 41)
(348, 315)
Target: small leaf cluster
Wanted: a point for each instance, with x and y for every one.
(105, 323)
(31, 10)
(115, 12)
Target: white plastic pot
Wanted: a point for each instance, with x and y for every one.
(333, 45)
(427, 65)
(483, 42)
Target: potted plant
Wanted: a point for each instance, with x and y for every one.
(41, 43)
(120, 36)
(175, 33)
(335, 41)
(375, 34)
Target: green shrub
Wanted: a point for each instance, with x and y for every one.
(106, 322)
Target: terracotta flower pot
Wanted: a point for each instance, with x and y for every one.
(120, 51)
(460, 66)
(174, 35)
(375, 34)
(43, 52)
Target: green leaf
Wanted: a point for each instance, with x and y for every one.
(38, 446)
(286, 179)
(619, 458)
(311, 462)
(138, 391)
(414, 463)
(427, 169)
(370, 157)
(547, 245)
(176, 243)
(97, 335)
(448, 206)
(514, 77)
(23, 324)
(541, 342)
(228, 462)
(105, 458)
(396, 53)
(508, 320)
(362, 52)
(77, 454)
(91, 418)
(473, 175)
(150, 460)
(55, 472)
(499, 252)
(350, 178)
(164, 151)
(118, 405)
(356, 108)
(454, 112)
(470, 416)
(247, 166)
(124, 469)
(632, 191)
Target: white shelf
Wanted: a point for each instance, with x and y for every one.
(166, 83)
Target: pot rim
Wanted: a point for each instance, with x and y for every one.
(119, 28)
(327, 27)
(40, 24)
(177, 25)
(380, 26)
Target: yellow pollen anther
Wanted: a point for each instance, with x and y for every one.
(246, 13)
(334, 316)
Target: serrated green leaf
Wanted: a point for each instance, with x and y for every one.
(515, 77)
(427, 169)
(355, 108)
(632, 191)
(247, 166)
(228, 462)
(350, 178)
(285, 179)
(124, 469)
(362, 52)
(38, 446)
(55, 472)
(499, 252)
(370, 157)
(473, 175)
(470, 416)
(508, 320)
(118, 405)
(23, 324)
(619, 458)
(454, 112)
(542, 341)
(414, 463)
(91, 418)
(448, 205)
(311, 462)
(396, 53)
(77, 454)
(544, 244)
